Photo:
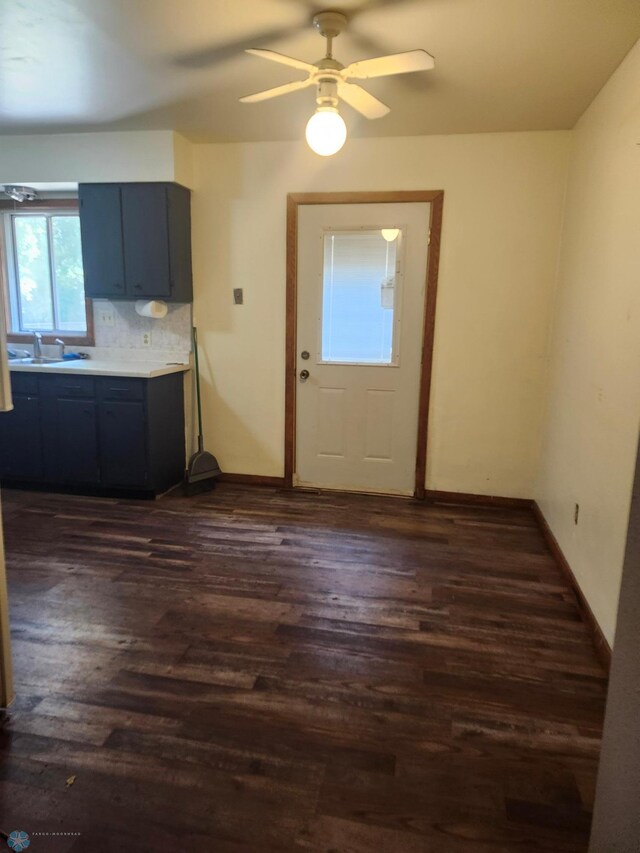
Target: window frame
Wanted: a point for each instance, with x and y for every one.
(68, 206)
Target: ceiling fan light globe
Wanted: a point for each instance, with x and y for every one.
(326, 131)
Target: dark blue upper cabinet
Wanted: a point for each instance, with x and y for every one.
(155, 240)
(179, 226)
(102, 247)
(146, 240)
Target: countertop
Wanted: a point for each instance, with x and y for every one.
(91, 367)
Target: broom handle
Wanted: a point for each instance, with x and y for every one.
(195, 351)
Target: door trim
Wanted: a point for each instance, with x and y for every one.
(6, 667)
(436, 199)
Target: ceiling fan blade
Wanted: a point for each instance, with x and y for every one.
(397, 63)
(276, 92)
(217, 53)
(361, 100)
(281, 58)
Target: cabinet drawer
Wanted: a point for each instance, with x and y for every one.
(74, 386)
(114, 388)
(24, 383)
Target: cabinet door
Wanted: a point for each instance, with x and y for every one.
(165, 413)
(102, 245)
(20, 440)
(77, 442)
(146, 240)
(123, 444)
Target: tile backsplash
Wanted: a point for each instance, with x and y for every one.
(118, 326)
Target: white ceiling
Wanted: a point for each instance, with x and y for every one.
(179, 64)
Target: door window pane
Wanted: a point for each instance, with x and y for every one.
(69, 276)
(358, 297)
(34, 272)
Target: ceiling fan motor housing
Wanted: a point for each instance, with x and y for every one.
(327, 95)
(330, 24)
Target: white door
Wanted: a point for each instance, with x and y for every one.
(359, 336)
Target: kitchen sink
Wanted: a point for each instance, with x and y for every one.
(42, 359)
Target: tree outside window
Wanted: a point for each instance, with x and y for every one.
(45, 273)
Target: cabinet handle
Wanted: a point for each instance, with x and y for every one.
(137, 287)
(72, 387)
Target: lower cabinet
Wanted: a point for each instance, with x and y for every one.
(76, 444)
(22, 458)
(94, 432)
(124, 443)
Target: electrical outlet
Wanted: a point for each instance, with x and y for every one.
(106, 316)
(146, 339)
(576, 513)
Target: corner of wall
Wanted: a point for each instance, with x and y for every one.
(184, 172)
(546, 398)
(592, 406)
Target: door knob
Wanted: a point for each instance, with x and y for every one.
(304, 375)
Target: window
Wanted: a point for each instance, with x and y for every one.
(359, 316)
(44, 274)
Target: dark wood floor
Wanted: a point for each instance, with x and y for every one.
(262, 670)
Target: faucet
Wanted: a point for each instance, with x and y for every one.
(18, 353)
(60, 343)
(37, 345)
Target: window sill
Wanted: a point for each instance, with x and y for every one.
(70, 340)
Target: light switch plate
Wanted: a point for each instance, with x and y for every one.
(237, 296)
(106, 316)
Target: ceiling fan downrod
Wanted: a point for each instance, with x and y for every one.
(330, 25)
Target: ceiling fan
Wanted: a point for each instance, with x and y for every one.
(326, 131)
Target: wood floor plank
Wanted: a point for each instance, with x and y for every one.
(257, 669)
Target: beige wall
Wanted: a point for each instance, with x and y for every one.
(126, 156)
(183, 160)
(591, 428)
(502, 216)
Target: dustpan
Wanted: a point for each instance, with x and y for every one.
(203, 466)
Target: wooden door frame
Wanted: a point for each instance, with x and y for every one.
(6, 671)
(436, 200)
